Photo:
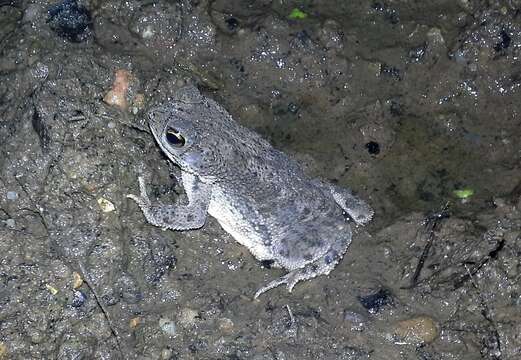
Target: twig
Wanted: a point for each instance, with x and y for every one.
(431, 224)
(486, 314)
(101, 306)
(292, 319)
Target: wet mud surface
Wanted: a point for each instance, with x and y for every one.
(414, 105)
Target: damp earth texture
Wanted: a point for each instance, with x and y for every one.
(413, 105)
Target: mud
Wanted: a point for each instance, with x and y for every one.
(405, 102)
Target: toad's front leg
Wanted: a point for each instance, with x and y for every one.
(177, 216)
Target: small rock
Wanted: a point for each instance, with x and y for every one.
(138, 103)
(166, 354)
(70, 20)
(331, 35)
(117, 95)
(376, 301)
(12, 195)
(51, 289)
(32, 13)
(435, 37)
(78, 299)
(10, 223)
(226, 325)
(105, 205)
(187, 317)
(134, 322)
(355, 320)
(3, 351)
(36, 336)
(77, 280)
(168, 326)
(418, 330)
(293, 108)
(375, 68)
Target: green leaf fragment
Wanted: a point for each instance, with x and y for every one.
(464, 193)
(297, 14)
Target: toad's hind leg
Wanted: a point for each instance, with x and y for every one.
(357, 208)
(321, 266)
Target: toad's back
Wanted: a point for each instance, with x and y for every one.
(279, 213)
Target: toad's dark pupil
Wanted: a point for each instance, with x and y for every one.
(174, 138)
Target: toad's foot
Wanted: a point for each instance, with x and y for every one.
(290, 279)
(175, 217)
(357, 208)
(322, 266)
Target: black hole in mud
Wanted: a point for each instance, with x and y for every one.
(373, 147)
(232, 23)
(376, 301)
(505, 41)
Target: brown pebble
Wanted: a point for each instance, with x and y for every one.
(117, 96)
(3, 351)
(226, 325)
(134, 322)
(418, 330)
(77, 280)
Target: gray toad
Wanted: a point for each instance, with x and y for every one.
(259, 195)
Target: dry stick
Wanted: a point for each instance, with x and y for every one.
(486, 312)
(491, 255)
(431, 223)
(292, 319)
(101, 306)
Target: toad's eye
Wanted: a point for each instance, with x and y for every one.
(174, 138)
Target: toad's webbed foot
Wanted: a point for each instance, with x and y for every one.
(355, 207)
(321, 266)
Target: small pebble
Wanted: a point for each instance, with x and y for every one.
(77, 280)
(51, 289)
(36, 336)
(226, 325)
(105, 205)
(187, 317)
(148, 32)
(134, 322)
(376, 301)
(117, 95)
(12, 195)
(32, 12)
(293, 108)
(40, 71)
(78, 299)
(355, 320)
(10, 223)
(418, 330)
(166, 354)
(168, 326)
(70, 20)
(3, 351)
(138, 103)
(435, 37)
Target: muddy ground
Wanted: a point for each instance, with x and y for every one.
(414, 105)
